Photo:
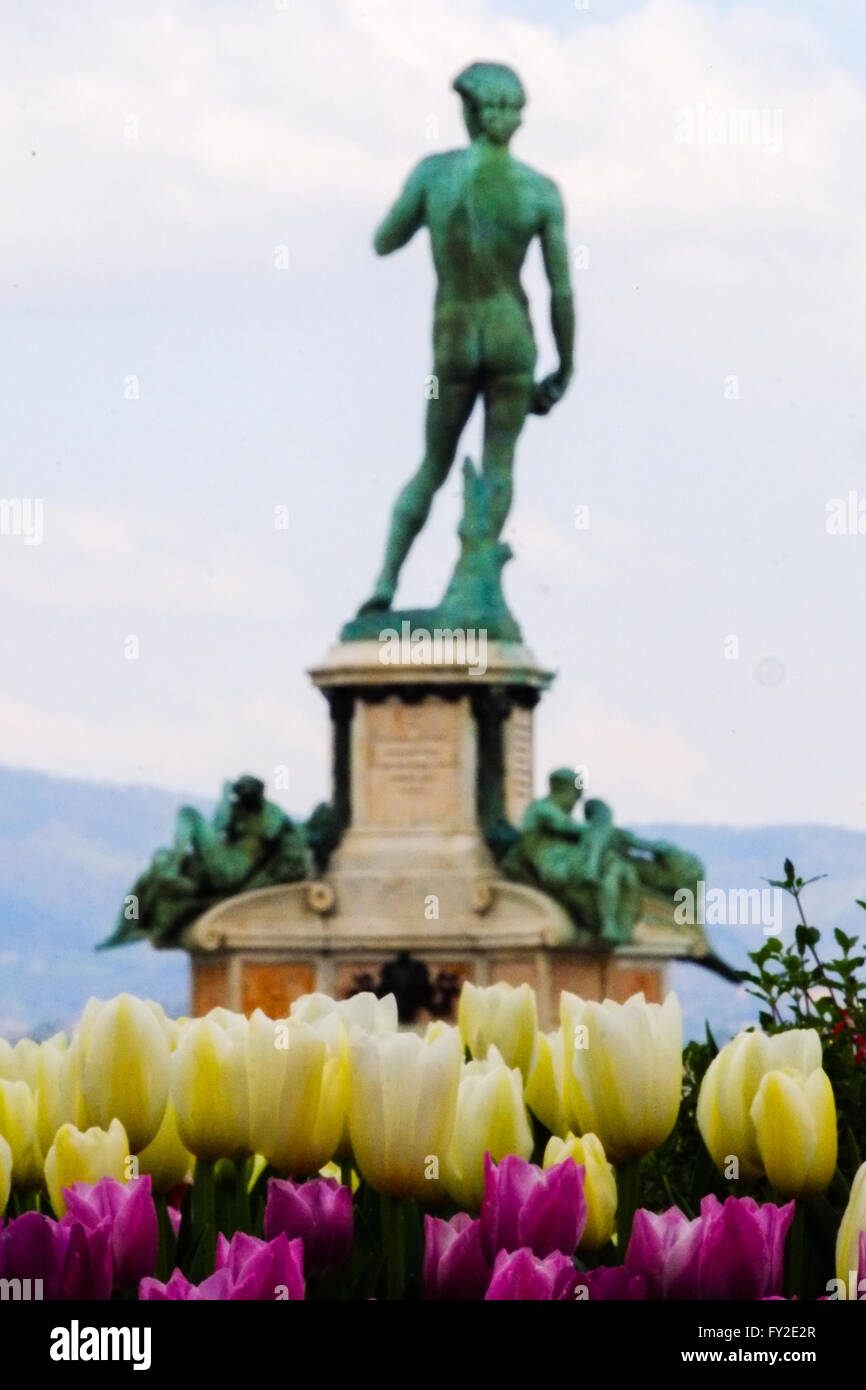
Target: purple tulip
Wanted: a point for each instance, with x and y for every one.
(320, 1212)
(128, 1208)
(520, 1274)
(34, 1247)
(89, 1272)
(454, 1263)
(610, 1284)
(524, 1205)
(72, 1262)
(732, 1250)
(247, 1269)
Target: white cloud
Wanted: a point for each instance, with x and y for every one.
(644, 768)
(95, 562)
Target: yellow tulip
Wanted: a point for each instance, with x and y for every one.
(435, 1027)
(848, 1236)
(491, 1118)
(5, 1174)
(364, 1010)
(165, 1158)
(58, 1089)
(8, 1062)
(125, 1068)
(77, 1156)
(730, 1085)
(18, 1063)
(85, 1022)
(296, 1079)
(169, 1026)
(599, 1184)
(795, 1124)
(626, 1064)
(499, 1016)
(18, 1128)
(545, 1085)
(27, 1056)
(209, 1086)
(402, 1103)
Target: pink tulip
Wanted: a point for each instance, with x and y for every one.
(72, 1261)
(732, 1250)
(128, 1208)
(454, 1263)
(523, 1205)
(610, 1284)
(521, 1275)
(246, 1269)
(319, 1212)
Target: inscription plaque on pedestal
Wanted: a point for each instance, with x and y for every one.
(416, 765)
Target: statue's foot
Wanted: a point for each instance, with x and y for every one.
(379, 601)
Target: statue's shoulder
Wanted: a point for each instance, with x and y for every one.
(536, 813)
(433, 166)
(545, 189)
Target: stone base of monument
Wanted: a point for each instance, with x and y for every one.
(427, 758)
(265, 949)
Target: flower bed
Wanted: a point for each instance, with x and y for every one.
(331, 1156)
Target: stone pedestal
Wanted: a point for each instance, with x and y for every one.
(428, 759)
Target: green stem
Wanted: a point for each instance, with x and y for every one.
(23, 1199)
(167, 1243)
(242, 1220)
(628, 1189)
(204, 1210)
(391, 1209)
(797, 1252)
(346, 1172)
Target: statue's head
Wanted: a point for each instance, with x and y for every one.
(249, 792)
(565, 787)
(598, 812)
(493, 101)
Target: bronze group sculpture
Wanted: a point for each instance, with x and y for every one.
(248, 843)
(597, 870)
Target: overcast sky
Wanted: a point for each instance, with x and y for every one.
(197, 332)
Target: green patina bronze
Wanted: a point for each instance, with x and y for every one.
(598, 871)
(248, 843)
(483, 209)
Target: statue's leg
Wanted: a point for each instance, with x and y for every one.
(619, 901)
(506, 405)
(446, 418)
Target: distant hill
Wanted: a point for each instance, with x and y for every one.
(70, 849)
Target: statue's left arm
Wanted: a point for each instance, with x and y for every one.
(563, 319)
